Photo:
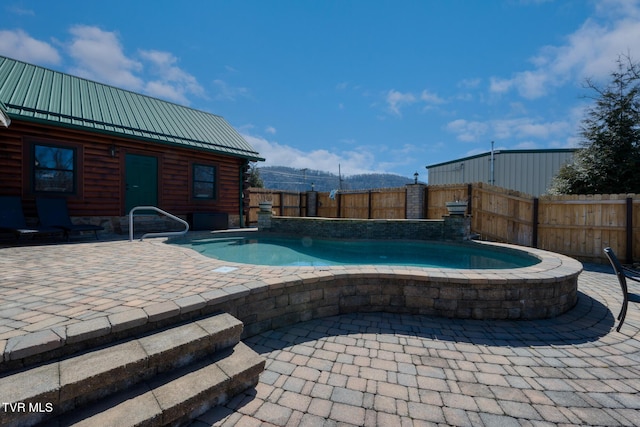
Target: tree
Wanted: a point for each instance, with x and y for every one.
(609, 159)
(255, 180)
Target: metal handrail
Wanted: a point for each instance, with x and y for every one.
(162, 234)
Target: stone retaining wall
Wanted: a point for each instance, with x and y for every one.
(451, 228)
(526, 293)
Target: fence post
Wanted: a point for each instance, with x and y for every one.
(312, 203)
(469, 194)
(425, 207)
(629, 230)
(414, 201)
(534, 233)
(369, 205)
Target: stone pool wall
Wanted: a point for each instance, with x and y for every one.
(542, 291)
(451, 228)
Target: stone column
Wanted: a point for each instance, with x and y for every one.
(312, 203)
(415, 201)
(457, 227)
(264, 220)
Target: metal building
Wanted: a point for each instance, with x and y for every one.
(527, 171)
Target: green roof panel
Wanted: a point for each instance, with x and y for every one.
(31, 92)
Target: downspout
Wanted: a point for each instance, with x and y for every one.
(493, 171)
(241, 180)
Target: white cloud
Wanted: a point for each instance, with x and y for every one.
(526, 145)
(498, 85)
(508, 129)
(395, 100)
(571, 142)
(167, 91)
(628, 8)
(533, 84)
(270, 130)
(401, 156)
(21, 11)
(99, 56)
(174, 83)
(589, 52)
(469, 83)
(528, 128)
(357, 161)
(430, 98)
(21, 46)
(468, 131)
(228, 92)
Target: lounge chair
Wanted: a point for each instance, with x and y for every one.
(53, 212)
(623, 273)
(12, 219)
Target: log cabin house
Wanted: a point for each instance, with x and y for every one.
(107, 150)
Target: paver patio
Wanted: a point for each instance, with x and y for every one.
(356, 369)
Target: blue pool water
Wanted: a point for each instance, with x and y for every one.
(288, 251)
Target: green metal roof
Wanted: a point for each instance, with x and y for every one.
(29, 92)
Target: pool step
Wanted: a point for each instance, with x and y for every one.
(160, 378)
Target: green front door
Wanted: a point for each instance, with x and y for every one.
(141, 181)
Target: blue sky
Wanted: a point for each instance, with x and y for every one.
(372, 86)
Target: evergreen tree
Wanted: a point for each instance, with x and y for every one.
(255, 180)
(609, 160)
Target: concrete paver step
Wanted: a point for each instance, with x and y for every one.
(63, 385)
(175, 397)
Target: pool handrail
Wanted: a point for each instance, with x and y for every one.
(160, 234)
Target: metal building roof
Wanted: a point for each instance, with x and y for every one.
(488, 153)
(29, 92)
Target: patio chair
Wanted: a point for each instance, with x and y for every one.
(12, 219)
(53, 212)
(623, 273)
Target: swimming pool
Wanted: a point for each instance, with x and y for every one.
(268, 296)
(306, 251)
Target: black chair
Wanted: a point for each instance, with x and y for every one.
(623, 273)
(53, 212)
(12, 219)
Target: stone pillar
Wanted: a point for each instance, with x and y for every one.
(312, 203)
(415, 201)
(264, 220)
(457, 227)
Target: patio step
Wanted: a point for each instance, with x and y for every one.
(163, 377)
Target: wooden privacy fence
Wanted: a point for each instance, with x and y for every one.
(577, 226)
(284, 203)
(583, 226)
(372, 204)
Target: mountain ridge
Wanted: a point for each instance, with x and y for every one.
(292, 179)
